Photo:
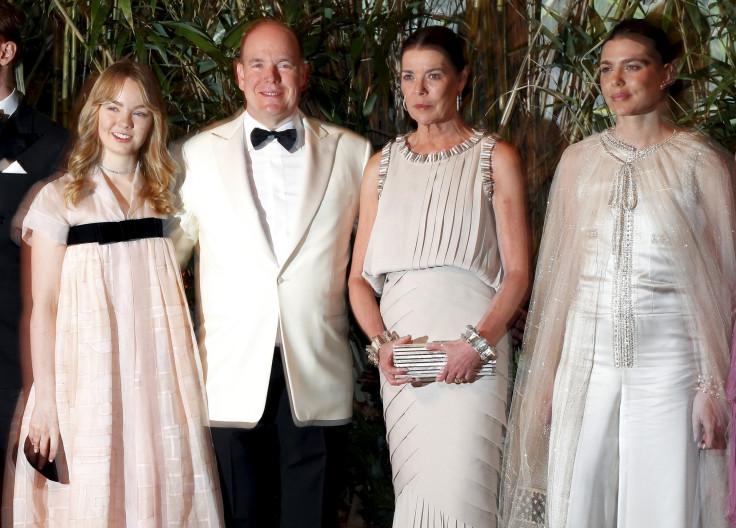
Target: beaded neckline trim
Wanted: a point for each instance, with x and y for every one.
(609, 138)
(442, 155)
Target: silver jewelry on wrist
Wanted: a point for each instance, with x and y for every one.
(480, 344)
(708, 385)
(376, 343)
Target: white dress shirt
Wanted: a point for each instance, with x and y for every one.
(276, 175)
(8, 106)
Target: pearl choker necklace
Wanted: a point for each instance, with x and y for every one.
(100, 165)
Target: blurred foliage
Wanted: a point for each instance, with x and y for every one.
(534, 62)
(534, 80)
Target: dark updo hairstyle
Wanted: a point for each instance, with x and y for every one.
(442, 39)
(667, 51)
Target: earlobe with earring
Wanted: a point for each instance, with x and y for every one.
(458, 102)
(403, 104)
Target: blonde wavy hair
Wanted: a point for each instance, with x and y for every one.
(156, 165)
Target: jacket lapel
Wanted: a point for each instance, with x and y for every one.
(229, 149)
(319, 159)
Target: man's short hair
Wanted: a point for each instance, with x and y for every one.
(264, 21)
(12, 22)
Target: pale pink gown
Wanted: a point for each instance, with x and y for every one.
(129, 384)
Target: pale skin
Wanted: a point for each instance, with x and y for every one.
(634, 82)
(271, 73)
(8, 50)
(430, 84)
(123, 127)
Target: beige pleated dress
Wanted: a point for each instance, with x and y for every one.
(129, 386)
(434, 258)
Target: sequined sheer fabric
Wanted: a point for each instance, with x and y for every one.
(434, 255)
(129, 383)
(629, 236)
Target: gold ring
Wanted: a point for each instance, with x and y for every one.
(459, 380)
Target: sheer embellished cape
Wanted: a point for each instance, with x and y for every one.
(687, 181)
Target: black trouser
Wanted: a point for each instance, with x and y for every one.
(278, 474)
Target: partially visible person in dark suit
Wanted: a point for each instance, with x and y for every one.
(31, 146)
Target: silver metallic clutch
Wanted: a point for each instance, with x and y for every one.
(424, 365)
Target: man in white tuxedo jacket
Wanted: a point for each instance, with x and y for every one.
(269, 199)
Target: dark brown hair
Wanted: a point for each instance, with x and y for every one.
(666, 51)
(12, 22)
(441, 38)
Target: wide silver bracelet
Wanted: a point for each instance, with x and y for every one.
(480, 344)
(708, 385)
(376, 343)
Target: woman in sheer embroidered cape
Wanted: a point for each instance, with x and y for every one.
(640, 225)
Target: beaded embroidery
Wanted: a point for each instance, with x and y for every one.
(486, 166)
(623, 200)
(532, 507)
(383, 168)
(486, 158)
(441, 155)
(708, 385)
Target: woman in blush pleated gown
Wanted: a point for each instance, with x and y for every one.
(117, 405)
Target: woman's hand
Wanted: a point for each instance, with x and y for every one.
(386, 362)
(707, 421)
(463, 362)
(43, 430)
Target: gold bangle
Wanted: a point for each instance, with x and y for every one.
(376, 343)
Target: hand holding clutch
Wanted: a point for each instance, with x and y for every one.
(425, 364)
(56, 471)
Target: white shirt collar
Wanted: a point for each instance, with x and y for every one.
(10, 104)
(293, 121)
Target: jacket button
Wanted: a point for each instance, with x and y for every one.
(280, 280)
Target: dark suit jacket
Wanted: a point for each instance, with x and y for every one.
(40, 143)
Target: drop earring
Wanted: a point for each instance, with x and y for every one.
(403, 104)
(458, 102)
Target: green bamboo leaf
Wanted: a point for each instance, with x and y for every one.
(232, 36)
(125, 8)
(370, 104)
(199, 38)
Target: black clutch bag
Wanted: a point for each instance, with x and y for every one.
(56, 471)
(425, 365)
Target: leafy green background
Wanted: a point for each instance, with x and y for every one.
(534, 81)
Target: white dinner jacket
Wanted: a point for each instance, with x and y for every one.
(243, 293)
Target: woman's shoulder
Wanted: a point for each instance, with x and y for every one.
(52, 188)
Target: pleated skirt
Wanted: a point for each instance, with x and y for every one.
(445, 440)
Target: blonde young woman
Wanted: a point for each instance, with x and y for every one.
(619, 414)
(442, 236)
(117, 406)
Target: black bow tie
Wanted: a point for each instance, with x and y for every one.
(287, 138)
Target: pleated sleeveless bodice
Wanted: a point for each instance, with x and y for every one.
(435, 211)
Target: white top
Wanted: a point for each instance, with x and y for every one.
(277, 176)
(10, 104)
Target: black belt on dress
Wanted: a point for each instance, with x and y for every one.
(112, 232)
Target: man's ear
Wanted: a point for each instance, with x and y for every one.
(305, 75)
(8, 50)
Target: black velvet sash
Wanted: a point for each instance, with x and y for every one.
(112, 232)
